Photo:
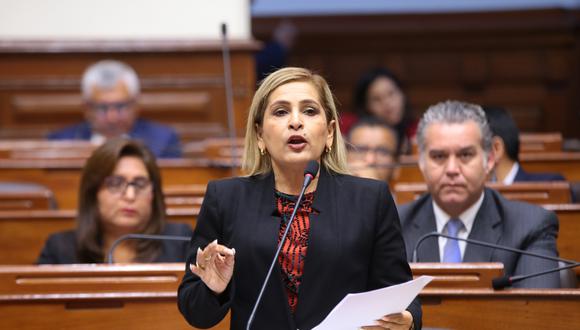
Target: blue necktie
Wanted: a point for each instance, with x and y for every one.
(451, 252)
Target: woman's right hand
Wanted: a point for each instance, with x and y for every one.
(215, 266)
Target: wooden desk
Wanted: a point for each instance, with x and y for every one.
(62, 177)
(569, 219)
(454, 275)
(484, 309)
(23, 233)
(138, 296)
(144, 297)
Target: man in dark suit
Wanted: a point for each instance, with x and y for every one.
(506, 148)
(456, 158)
(110, 91)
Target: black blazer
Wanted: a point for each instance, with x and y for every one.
(61, 248)
(355, 245)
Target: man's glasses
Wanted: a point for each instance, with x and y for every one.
(363, 150)
(104, 107)
(118, 185)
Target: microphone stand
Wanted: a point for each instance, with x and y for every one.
(486, 244)
(229, 93)
(275, 259)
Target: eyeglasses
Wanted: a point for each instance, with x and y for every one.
(104, 107)
(118, 185)
(363, 150)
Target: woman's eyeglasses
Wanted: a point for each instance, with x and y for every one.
(118, 185)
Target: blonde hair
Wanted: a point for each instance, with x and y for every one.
(253, 162)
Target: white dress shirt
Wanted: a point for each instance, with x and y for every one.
(509, 178)
(467, 217)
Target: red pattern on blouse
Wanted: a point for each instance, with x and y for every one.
(293, 253)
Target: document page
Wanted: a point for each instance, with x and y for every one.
(360, 309)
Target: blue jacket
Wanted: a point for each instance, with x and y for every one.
(162, 140)
(523, 176)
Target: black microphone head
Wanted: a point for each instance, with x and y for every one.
(499, 283)
(224, 29)
(311, 168)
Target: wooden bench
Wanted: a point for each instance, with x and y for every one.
(32, 200)
(184, 196)
(531, 192)
(23, 233)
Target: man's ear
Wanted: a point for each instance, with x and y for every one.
(491, 161)
(497, 147)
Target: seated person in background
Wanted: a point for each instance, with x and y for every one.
(372, 149)
(379, 93)
(110, 91)
(120, 193)
(274, 55)
(506, 148)
(455, 158)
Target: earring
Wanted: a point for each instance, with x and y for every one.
(328, 149)
(262, 152)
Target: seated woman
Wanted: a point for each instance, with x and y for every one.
(379, 93)
(120, 193)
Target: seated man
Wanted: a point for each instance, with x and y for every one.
(506, 148)
(110, 91)
(372, 149)
(455, 158)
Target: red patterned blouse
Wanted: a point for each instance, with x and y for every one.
(293, 252)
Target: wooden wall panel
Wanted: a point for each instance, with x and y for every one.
(527, 61)
(182, 83)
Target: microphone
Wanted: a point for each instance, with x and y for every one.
(143, 236)
(499, 283)
(229, 91)
(309, 174)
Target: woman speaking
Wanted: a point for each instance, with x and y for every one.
(345, 238)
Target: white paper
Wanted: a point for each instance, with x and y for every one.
(360, 309)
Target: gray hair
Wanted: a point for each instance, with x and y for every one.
(106, 75)
(455, 112)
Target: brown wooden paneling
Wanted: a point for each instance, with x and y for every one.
(526, 61)
(23, 233)
(182, 83)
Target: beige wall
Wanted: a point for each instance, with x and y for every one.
(123, 19)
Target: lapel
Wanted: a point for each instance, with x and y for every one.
(486, 227)
(266, 225)
(324, 235)
(425, 223)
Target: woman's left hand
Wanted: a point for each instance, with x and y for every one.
(402, 321)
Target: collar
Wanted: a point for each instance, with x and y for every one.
(98, 139)
(323, 196)
(510, 177)
(467, 217)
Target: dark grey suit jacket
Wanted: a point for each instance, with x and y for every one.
(500, 221)
(354, 245)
